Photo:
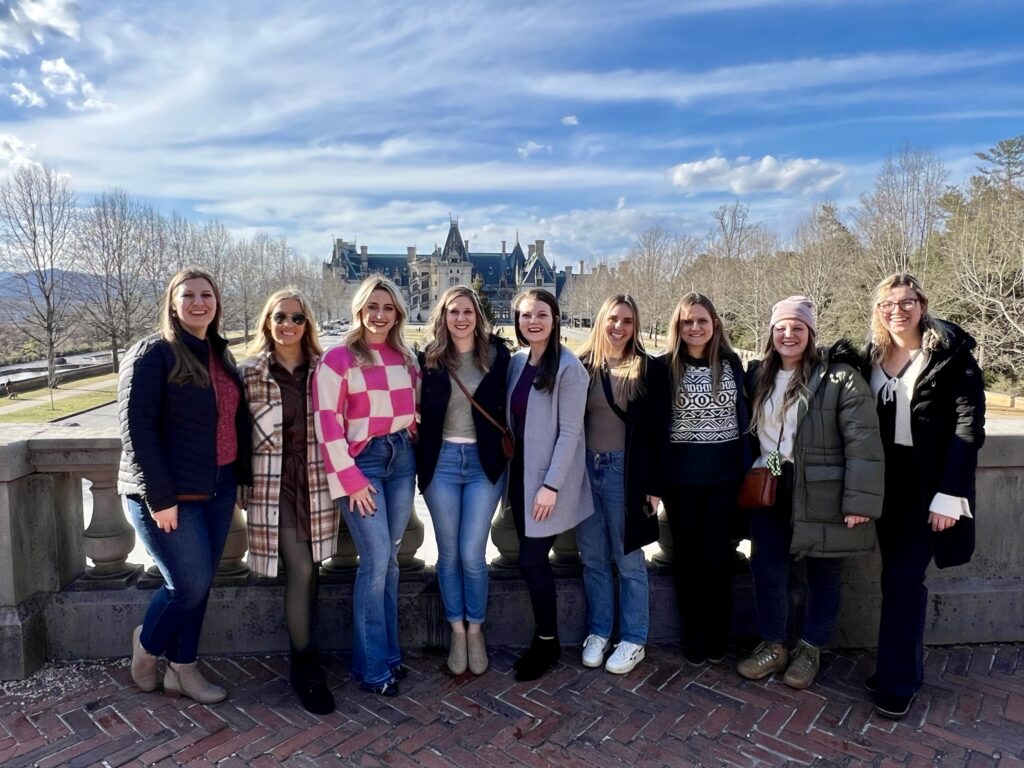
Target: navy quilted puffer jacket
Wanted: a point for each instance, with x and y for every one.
(169, 431)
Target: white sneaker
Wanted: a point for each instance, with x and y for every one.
(594, 648)
(627, 655)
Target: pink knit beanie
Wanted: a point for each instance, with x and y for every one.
(794, 308)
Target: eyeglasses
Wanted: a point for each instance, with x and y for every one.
(296, 317)
(905, 304)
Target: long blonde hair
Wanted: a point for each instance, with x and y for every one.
(881, 340)
(596, 350)
(188, 369)
(263, 340)
(798, 390)
(717, 347)
(440, 351)
(355, 339)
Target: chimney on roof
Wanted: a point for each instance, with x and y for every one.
(363, 258)
(581, 266)
(540, 249)
(533, 249)
(411, 252)
(568, 273)
(466, 243)
(502, 247)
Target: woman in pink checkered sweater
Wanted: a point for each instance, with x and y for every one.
(365, 399)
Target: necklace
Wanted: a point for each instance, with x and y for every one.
(892, 383)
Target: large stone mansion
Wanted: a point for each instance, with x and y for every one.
(423, 278)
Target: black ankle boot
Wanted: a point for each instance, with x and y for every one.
(541, 656)
(307, 679)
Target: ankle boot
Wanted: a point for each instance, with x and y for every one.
(457, 654)
(477, 652)
(144, 664)
(542, 655)
(187, 680)
(308, 682)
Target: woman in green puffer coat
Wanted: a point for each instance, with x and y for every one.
(816, 425)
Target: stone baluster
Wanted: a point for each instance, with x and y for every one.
(346, 558)
(567, 552)
(412, 540)
(109, 539)
(232, 568)
(505, 539)
(663, 557)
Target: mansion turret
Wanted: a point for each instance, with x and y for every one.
(423, 278)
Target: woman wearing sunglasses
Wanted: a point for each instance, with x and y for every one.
(290, 511)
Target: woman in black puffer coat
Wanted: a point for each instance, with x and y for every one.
(931, 407)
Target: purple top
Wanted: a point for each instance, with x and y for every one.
(520, 398)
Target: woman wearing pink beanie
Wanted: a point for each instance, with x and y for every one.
(816, 426)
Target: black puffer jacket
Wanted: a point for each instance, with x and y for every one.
(169, 431)
(490, 394)
(947, 422)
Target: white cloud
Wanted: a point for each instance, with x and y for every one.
(25, 23)
(745, 175)
(59, 77)
(26, 97)
(532, 148)
(570, 120)
(14, 151)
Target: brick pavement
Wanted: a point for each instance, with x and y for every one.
(970, 713)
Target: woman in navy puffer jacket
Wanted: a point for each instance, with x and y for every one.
(185, 431)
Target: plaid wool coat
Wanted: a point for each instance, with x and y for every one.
(264, 398)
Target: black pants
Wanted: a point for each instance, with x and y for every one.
(700, 517)
(534, 554)
(905, 541)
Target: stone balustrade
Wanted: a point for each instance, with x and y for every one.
(55, 604)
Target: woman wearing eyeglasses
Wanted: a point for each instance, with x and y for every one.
(931, 410)
(290, 512)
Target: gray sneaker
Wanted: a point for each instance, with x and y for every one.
(766, 659)
(804, 666)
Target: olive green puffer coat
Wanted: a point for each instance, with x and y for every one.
(839, 466)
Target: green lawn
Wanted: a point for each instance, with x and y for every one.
(39, 414)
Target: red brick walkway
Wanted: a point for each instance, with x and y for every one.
(970, 713)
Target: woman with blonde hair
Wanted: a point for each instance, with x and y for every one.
(817, 430)
(364, 395)
(185, 434)
(460, 462)
(617, 434)
(931, 407)
(289, 509)
(704, 451)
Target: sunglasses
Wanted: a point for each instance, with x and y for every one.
(296, 317)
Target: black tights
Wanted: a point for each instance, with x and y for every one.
(302, 584)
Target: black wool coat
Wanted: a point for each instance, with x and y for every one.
(169, 431)
(947, 423)
(641, 478)
(435, 391)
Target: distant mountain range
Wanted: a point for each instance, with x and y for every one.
(11, 287)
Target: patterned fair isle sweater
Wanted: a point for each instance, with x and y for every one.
(704, 433)
(355, 403)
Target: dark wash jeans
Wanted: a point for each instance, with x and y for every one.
(771, 564)
(187, 558)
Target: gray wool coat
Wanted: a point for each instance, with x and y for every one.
(554, 451)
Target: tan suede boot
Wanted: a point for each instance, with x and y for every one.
(457, 653)
(144, 664)
(477, 651)
(187, 680)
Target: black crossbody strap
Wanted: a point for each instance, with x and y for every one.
(501, 427)
(606, 384)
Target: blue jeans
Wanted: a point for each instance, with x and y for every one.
(187, 558)
(388, 463)
(600, 539)
(462, 499)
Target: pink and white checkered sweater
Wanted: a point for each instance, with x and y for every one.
(354, 403)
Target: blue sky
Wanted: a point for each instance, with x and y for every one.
(580, 123)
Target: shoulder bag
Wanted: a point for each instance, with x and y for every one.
(508, 440)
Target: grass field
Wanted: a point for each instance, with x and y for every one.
(66, 406)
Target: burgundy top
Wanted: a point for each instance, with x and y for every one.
(294, 500)
(520, 399)
(225, 389)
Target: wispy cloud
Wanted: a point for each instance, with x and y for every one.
(745, 175)
(532, 148)
(570, 120)
(13, 151)
(24, 24)
(26, 97)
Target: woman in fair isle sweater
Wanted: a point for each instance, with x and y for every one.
(365, 400)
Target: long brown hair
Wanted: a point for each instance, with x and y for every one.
(187, 369)
(356, 341)
(881, 340)
(717, 347)
(263, 341)
(596, 349)
(548, 368)
(440, 351)
(771, 363)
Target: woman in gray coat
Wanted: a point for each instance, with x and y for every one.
(816, 425)
(548, 489)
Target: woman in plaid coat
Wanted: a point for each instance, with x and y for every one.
(290, 511)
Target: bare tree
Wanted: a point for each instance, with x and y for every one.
(37, 223)
(900, 215)
(154, 257)
(111, 234)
